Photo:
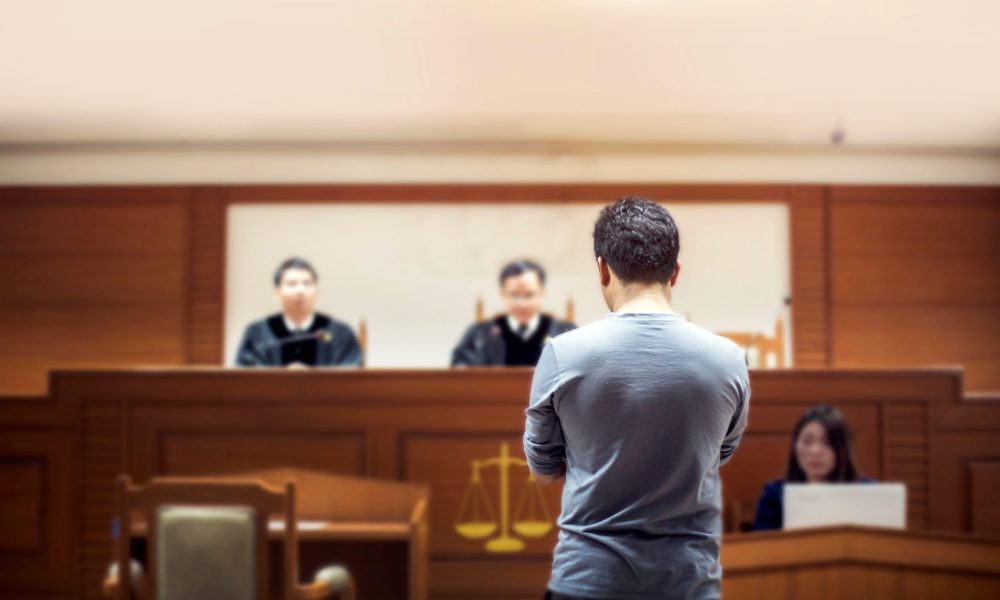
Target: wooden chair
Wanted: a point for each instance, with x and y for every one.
(481, 311)
(187, 520)
(761, 343)
(363, 340)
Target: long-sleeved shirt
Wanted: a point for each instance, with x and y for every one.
(640, 409)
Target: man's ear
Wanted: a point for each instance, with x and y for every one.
(677, 271)
(604, 272)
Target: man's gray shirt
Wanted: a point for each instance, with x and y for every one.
(641, 409)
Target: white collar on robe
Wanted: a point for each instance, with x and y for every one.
(305, 325)
(532, 325)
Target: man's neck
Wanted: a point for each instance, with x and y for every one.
(643, 300)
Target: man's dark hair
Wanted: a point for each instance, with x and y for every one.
(520, 267)
(638, 239)
(293, 263)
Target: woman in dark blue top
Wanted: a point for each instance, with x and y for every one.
(820, 453)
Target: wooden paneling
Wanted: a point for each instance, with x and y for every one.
(859, 563)
(93, 277)
(45, 338)
(984, 497)
(429, 427)
(809, 240)
(906, 448)
(954, 458)
(916, 279)
(102, 461)
(444, 461)
(57, 222)
(38, 538)
(898, 335)
(203, 453)
(206, 277)
(506, 193)
(22, 522)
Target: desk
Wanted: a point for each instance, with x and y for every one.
(860, 563)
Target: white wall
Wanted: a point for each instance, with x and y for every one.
(414, 271)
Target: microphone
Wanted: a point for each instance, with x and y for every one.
(324, 335)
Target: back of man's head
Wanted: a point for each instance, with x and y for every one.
(638, 239)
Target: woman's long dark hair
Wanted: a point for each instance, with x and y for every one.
(839, 437)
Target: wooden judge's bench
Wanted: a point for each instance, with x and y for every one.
(491, 529)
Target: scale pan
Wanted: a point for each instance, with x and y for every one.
(476, 529)
(532, 528)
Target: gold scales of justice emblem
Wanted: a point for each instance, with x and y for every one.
(477, 520)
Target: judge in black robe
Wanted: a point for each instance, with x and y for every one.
(298, 336)
(327, 342)
(517, 337)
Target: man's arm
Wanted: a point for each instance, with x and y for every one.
(550, 479)
(349, 354)
(468, 352)
(248, 355)
(739, 421)
(544, 445)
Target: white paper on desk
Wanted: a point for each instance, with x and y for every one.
(824, 504)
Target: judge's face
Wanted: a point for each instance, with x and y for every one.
(814, 452)
(522, 296)
(297, 292)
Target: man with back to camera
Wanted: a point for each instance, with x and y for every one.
(516, 337)
(298, 336)
(637, 412)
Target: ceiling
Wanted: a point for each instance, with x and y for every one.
(914, 74)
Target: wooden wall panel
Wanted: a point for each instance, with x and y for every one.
(22, 522)
(916, 279)
(809, 240)
(206, 277)
(38, 538)
(428, 426)
(201, 453)
(93, 277)
(101, 462)
(960, 462)
(906, 448)
(444, 461)
(984, 496)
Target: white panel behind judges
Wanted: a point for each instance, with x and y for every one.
(414, 271)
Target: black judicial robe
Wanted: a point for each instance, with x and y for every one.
(328, 343)
(492, 343)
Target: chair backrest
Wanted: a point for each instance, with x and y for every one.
(205, 552)
(363, 340)
(205, 538)
(481, 311)
(762, 344)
